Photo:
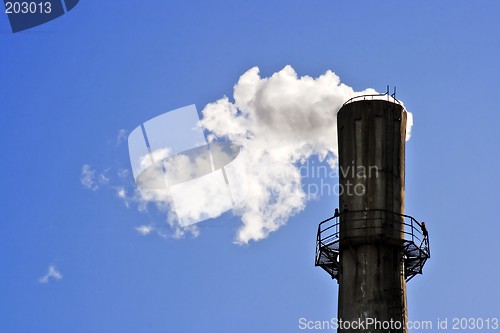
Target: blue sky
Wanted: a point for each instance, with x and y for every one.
(69, 86)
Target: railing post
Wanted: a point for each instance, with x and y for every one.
(412, 232)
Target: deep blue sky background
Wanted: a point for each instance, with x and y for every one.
(68, 87)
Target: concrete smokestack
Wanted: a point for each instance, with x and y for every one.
(371, 136)
(370, 246)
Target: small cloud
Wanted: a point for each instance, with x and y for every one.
(164, 232)
(88, 178)
(144, 229)
(91, 180)
(121, 136)
(121, 193)
(123, 173)
(103, 179)
(52, 273)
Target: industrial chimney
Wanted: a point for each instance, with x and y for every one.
(370, 246)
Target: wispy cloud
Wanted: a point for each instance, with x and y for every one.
(87, 177)
(124, 174)
(144, 229)
(121, 136)
(52, 274)
(91, 180)
(120, 182)
(165, 230)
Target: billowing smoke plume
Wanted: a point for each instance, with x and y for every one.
(259, 138)
(278, 121)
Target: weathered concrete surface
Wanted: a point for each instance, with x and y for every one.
(371, 281)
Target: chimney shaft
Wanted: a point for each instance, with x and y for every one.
(372, 286)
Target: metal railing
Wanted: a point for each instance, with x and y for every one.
(410, 230)
(390, 98)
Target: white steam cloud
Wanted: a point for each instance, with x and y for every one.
(278, 121)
